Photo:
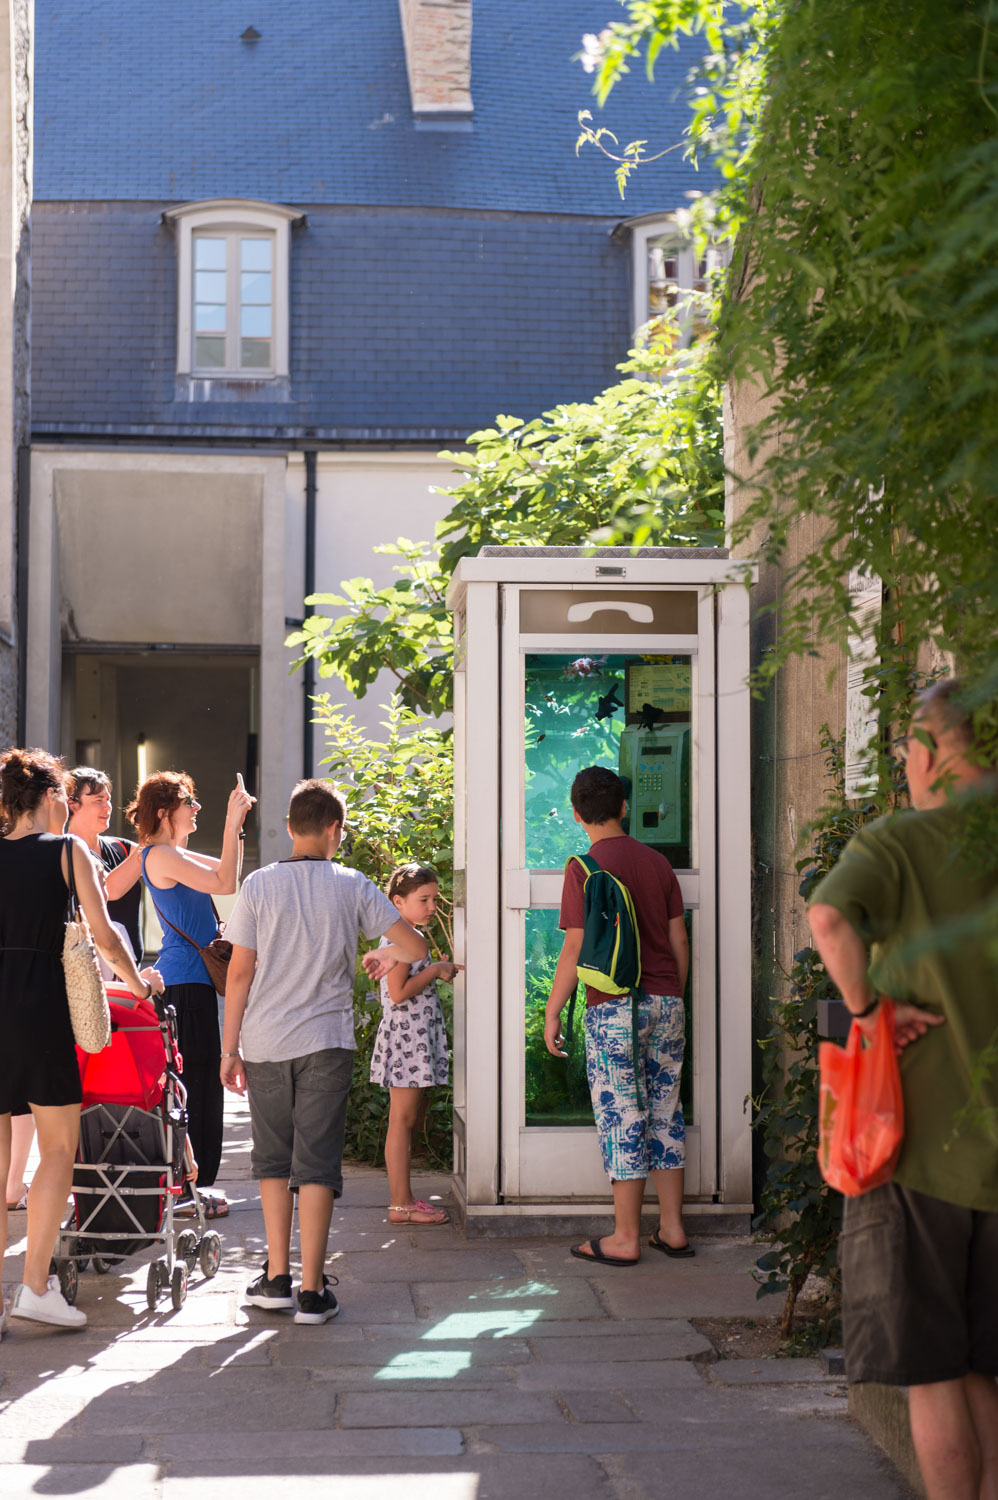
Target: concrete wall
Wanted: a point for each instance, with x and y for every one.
(363, 500)
(789, 779)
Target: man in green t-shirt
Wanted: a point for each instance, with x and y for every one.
(919, 1256)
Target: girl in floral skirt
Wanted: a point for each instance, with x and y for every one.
(410, 1053)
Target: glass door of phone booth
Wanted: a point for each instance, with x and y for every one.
(620, 677)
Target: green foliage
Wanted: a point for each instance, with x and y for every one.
(858, 149)
(405, 629)
(641, 464)
(796, 1204)
(400, 808)
(555, 1088)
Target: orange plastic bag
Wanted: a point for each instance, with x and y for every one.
(860, 1108)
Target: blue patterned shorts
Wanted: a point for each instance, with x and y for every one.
(637, 1141)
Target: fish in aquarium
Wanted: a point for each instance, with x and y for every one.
(585, 666)
(607, 706)
(650, 715)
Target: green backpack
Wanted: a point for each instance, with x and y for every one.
(610, 957)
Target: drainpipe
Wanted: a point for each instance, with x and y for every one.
(308, 757)
(23, 543)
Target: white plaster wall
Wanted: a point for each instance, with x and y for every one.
(363, 500)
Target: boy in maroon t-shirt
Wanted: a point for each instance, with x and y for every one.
(636, 1139)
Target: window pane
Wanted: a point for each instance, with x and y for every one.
(209, 286)
(255, 286)
(254, 322)
(256, 255)
(209, 253)
(209, 353)
(631, 712)
(209, 317)
(255, 354)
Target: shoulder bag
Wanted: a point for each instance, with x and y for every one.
(89, 1011)
(214, 955)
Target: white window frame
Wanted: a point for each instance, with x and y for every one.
(643, 232)
(225, 215)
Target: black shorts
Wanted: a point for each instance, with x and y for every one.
(298, 1113)
(919, 1288)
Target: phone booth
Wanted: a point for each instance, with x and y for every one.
(566, 659)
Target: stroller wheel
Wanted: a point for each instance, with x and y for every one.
(104, 1263)
(153, 1284)
(83, 1262)
(187, 1247)
(178, 1285)
(211, 1253)
(69, 1279)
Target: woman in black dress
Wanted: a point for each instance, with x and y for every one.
(38, 1067)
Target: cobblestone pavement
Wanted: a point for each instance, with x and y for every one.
(456, 1371)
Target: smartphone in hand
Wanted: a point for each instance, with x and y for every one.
(240, 783)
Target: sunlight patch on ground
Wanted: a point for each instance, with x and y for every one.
(529, 1289)
(344, 1486)
(426, 1364)
(471, 1325)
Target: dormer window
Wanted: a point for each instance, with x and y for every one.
(669, 275)
(233, 265)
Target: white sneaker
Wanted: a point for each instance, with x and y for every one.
(50, 1308)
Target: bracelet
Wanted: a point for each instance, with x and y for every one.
(148, 993)
(242, 833)
(230, 1054)
(859, 1015)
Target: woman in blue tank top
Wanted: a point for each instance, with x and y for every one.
(182, 885)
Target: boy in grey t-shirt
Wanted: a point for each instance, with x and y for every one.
(288, 1038)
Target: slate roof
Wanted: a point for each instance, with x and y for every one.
(160, 100)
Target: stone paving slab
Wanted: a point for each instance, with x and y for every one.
(235, 1448)
(471, 1477)
(541, 1299)
(680, 1289)
(670, 1374)
(445, 1408)
(772, 1372)
(457, 1370)
(677, 1340)
(844, 1462)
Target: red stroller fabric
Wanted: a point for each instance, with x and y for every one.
(132, 1068)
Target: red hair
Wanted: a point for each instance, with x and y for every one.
(160, 793)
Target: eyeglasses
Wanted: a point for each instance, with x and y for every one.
(189, 801)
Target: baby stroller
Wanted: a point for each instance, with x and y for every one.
(133, 1163)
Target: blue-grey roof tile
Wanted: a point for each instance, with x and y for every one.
(163, 102)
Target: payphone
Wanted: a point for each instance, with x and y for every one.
(564, 659)
(654, 757)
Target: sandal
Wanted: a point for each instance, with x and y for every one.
(22, 1202)
(212, 1207)
(429, 1214)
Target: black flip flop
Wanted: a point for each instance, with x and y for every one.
(596, 1254)
(681, 1252)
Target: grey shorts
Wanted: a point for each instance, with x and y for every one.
(919, 1288)
(298, 1112)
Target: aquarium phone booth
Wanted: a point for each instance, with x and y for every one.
(566, 659)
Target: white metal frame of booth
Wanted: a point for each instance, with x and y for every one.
(504, 1168)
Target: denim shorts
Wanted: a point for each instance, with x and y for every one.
(919, 1288)
(636, 1140)
(298, 1112)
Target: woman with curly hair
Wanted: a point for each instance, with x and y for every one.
(38, 1067)
(182, 885)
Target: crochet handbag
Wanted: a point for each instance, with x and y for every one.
(89, 1011)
